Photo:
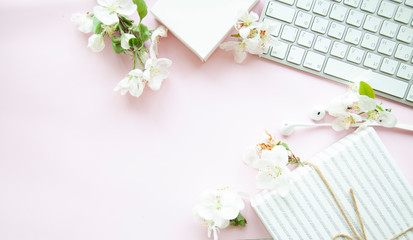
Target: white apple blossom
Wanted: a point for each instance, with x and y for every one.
(107, 11)
(155, 71)
(238, 48)
(386, 119)
(251, 38)
(264, 29)
(251, 157)
(366, 104)
(273, 171)
(83, 21)
(345, 121)
(245, 22)
(217, 208)
(132, 83)
(124, 40)
(159, 32)
(96, 42)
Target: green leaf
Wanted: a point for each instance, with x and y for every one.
(143, 32)
(115, 40)
(238, 221)
(141, 7)
(117, 48)
(366, 90)
(285, 145)
(379, 107)
(96, 25)
(133, 42)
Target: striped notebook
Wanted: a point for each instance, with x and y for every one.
(359, 161)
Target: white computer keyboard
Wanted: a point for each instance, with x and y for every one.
(340, 39)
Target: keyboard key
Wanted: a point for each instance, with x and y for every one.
(320, 25)
(314, 61)
(289, 33)
(409, 3)
(403, 52)
(389, 66)
(336, 30)
(339, 49)
(369, 5)
(403, 14)
(355, 18)
(377, 81)
(305, 39)
(405, 34)
(281, 12)
(289, 2)
(386, 47)
(304, 4)
(386, 9)
(321, 7)
(277, 26)
(353, 3)
(353, 36)
(295, 55)
(372, 60)
(303, 19)
(405, 72)
(338, 12)
(410, 94)
(369, 41)
(355, 55)
(279, 50)
(372, 23)
(388, 29)
(322, 44)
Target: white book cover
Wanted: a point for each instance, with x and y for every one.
(201, 25)
(359, 161)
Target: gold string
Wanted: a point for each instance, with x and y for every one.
(357, 237)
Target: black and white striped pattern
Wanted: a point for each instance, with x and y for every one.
(359, 161)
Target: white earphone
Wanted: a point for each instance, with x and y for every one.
(318, 113)
(288, 127)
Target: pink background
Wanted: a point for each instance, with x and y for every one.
(80, 161)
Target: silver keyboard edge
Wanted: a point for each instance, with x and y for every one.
(321, 73)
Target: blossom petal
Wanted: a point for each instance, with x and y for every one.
(244, 32)
(126, 7)
(106, 3)
(96, 43)
(387, 119)
(366, 104)
(105, 16)
(239, 56)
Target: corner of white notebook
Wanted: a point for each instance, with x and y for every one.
(200, 25)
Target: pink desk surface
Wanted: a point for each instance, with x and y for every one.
(80, 161)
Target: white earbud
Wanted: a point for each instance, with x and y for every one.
(288, 127)
(318, 112)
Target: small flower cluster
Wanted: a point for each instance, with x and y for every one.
(272, 158)
(358, 107)
(219, 208)
(252, 37)
(111, 18)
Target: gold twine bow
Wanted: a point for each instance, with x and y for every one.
(357, 237)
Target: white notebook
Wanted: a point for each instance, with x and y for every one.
(201, 25)
(359, 161)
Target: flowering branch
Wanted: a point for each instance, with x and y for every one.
(357, 107)
(272, 158)
(252, 37)
(110, 18)
(218, 209)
